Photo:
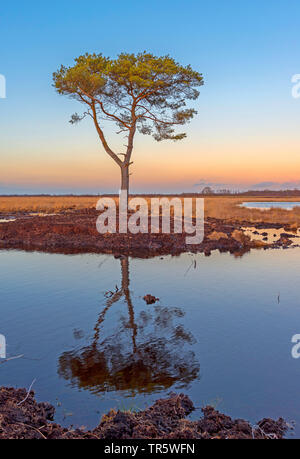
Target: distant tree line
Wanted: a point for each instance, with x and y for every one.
(207, 191)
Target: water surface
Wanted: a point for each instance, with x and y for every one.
(221, 331)
(271, 204)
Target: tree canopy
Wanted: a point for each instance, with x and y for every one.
(139, 92)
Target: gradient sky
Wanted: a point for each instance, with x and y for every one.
(248, 124)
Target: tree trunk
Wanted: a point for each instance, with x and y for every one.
(123, 200)
(125, 179)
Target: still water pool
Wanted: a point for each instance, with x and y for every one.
(271, 204)
(221, 331)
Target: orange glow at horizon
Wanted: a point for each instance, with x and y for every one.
(158, 165)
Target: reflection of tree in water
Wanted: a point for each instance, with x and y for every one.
(155, 358)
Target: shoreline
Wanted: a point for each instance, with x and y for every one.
(21, 417)
(75, 232)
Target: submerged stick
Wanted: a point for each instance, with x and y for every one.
(12, 358)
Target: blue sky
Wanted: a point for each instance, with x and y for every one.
(247, 128)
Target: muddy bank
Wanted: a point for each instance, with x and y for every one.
(21, 417)
(76, 232)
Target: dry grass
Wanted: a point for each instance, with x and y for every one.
(215, 206)
(228, 208)
(46, 204)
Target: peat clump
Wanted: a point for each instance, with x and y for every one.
(21, 417)
(75, 232)
(150, 299)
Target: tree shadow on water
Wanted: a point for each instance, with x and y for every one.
(146, 353)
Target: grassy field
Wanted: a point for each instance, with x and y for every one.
(224, 207)
(228, 208)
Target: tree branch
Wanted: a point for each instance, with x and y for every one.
(102, 138)
(94, 99)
